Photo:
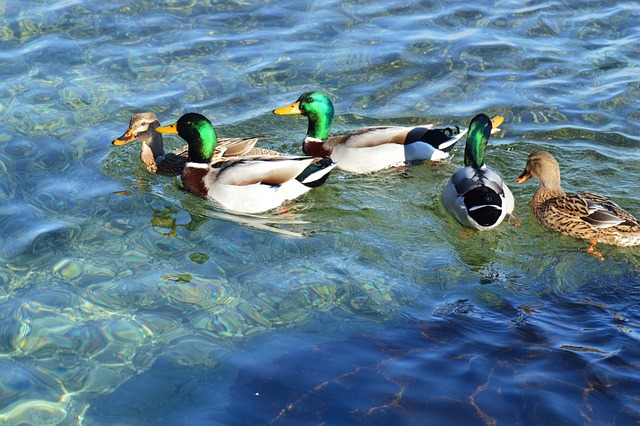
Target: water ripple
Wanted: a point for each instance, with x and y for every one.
(125, 299)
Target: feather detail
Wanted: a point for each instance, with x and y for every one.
(262, 170)
(255, 185)
(478, 198)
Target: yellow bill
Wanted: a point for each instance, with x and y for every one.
(288, 110)
(497, 121)
(495, 124)
(171, 129)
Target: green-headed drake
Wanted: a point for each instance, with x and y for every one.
(251, 184)
(475, 195)
(370, 148)
(143, 127)
(583, 215)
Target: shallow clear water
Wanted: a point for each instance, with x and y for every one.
(125, 300)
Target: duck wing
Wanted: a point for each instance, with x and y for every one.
(267, 170)
(469, 178)
(367, 137)
(477, 198)
(238, 146)
(598, 211)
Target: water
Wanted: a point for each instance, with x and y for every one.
(125, 300)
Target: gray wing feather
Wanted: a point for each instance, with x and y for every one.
(469, 178)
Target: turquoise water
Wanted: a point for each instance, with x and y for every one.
(125, 300)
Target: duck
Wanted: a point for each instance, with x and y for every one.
(249, 184)
(369, 149)
(142, 126)
(475, 195)
(582, 215)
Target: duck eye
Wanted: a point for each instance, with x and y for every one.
(310, 100)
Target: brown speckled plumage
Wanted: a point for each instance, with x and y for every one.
(259, 151)
(583, 215)
(142, 126)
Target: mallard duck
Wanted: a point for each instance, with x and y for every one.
(475, 195)
(370, 148)
(252, 184)
(583, 215)
(142, 126)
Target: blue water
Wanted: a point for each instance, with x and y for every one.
(125, 300)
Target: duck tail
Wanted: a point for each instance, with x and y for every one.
(484, 205)
(317, 173)
(443, 139)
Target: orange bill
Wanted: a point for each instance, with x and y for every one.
(525, 176)
(125, 139)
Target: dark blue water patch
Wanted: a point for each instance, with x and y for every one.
(464, 368)
(169, 393)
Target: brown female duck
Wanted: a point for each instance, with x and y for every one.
(583, 215)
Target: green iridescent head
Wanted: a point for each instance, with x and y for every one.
(317, 107)
(477, 139)
(198, 132)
